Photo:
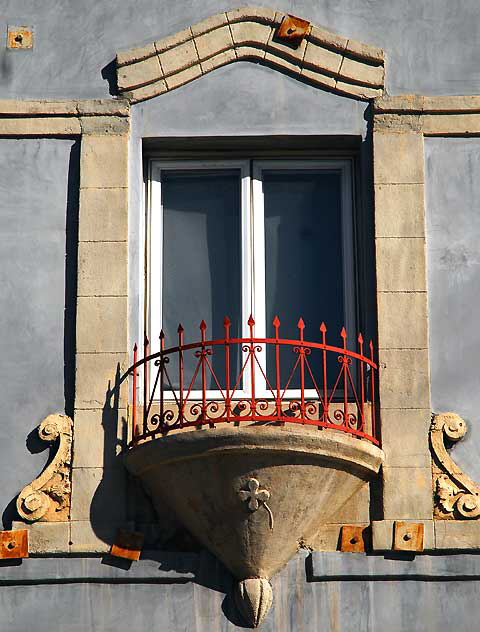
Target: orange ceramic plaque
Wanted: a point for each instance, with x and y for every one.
(128, 544)
(408, 536)
(292, 29)
(13, 544)
(352, 540)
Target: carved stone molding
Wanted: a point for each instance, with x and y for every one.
(322, 58)
(47, 498)
(456, 496)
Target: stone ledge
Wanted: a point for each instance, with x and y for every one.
(457, 534)
(67, 107)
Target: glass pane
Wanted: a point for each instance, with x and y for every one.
(201, 263)
(304, 269)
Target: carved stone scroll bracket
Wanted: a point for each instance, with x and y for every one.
(47, 498)
(456, 495)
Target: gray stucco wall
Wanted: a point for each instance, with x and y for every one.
(453, 238)
(34, 197)
(75, 40)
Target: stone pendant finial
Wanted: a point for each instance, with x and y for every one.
(254, 598)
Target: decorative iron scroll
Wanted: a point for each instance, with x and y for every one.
(456, 495)
(171, 399)
(47, 498)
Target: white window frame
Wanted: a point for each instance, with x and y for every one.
(252, 250)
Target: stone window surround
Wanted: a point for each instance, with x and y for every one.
(400, 124)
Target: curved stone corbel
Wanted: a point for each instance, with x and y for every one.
(321, 58)
(47, 498)
(456, 494)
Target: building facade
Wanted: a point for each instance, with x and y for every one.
(307, 171)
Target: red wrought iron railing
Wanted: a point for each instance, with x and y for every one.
(316, 384)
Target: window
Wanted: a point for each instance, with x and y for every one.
(267, 237)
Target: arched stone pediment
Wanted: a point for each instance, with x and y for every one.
(330, 61)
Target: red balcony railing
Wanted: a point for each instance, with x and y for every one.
(313, 383)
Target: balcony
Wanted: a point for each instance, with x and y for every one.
(256, 380)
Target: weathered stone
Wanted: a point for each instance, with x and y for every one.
(320, 37)
(258, 14)
(249, 52)
(101, 324)
(104, 161)
(147, 92)
(402, 320)
(178, 58)
(284, 51)
(251, 34)
(46, 537)
(213, 22)
(318, 79)
(395, 122)
(181, 78)
(401, 264)
(172, 41)
(98, 437)
(62, 107)
(356, 509)
(213, 42)
(254, 598)
(398, 158)
(102, 268)
(407, 493)
(324, 538)
(322, 59)
(405, 102)
(105, 125)
(399, 210)
(457, 534)
(41, 126)
(103, 215)
(360, 92)
(284, 65)
(370, 53)
(361, 72)
(218, 60)
(92, 488)
(451, 124)
(135, 54)
(139, 74)
(412, 426)
(95, 378)
(86, 538)
(404, 378)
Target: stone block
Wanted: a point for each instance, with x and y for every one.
(147, 92)
(86, 538)
(318, 79)
(181, 78)
(213, 22)
(40, 126)
(407, 493)
(283, 64)
(101, 324)
(136, 75)
(399, 210)
(102, 268)
(46, 537)
(398, 158)
(213, 42)
(361, 72)
(249, 52)
(320, 36)
(457, 534)
(251, 34)
(371, 53)
(360, 92)
(257, 14)
(99, 437)
(382, 535)
(99, 495)
(356, 509)
(103, 215)
(326, 538)
(402, 320)
(135, 54)
(172, 41)
(105, 125)
(322, 59)
(454, 123)
(218, 60)
(401, 264)
(405, 437)
(96, 375)
(178, 58)
(397, 123)
(104, 161)
(404, 378)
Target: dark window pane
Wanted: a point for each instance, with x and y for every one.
(201, 261)
(304, 261)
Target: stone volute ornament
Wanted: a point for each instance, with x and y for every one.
(456, 495)
(47, 498)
